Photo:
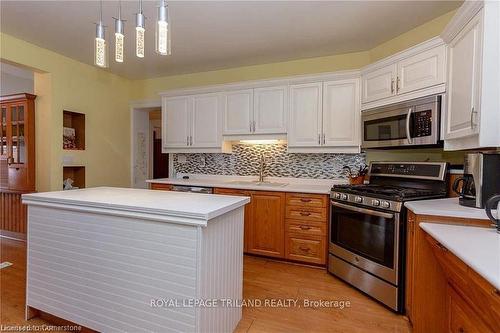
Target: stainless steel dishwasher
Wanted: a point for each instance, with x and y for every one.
(193, 189)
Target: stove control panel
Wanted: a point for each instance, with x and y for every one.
(416, 170)
(351, 199)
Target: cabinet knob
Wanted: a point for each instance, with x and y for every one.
(305, 200)
(461, 330)
(305, 227)
(305, 213)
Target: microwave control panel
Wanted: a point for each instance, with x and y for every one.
(422, 123)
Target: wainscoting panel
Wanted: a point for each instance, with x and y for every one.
(12, 213)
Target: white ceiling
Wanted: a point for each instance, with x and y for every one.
(210, 35)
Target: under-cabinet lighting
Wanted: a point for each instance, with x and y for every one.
(260, 142)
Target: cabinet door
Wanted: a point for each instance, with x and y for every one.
(248, 211)
(266, 234)
(176, 119)
(464, 67)
(304, 129)
(379, 83)
(270, 108)
(206, 124)
(238, 112)
(341, 113)
(422, 70)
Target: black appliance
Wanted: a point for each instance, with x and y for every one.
(494, 202)
(367, 238)
(480, 181)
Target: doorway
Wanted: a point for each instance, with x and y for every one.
(147, 159)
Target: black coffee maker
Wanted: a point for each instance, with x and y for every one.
(480, 181)
(493, 203)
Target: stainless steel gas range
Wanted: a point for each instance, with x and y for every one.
(367, 241)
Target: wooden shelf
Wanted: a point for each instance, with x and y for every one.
(77, 173)
(77, 121)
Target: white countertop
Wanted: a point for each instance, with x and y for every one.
(445, 207)
(187, 208)
(300, 185)
(478, 247)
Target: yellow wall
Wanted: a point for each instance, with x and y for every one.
(148, 89)
(65, 84)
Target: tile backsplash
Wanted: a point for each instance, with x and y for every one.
(245, 161)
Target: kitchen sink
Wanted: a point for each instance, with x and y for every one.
(257, 183)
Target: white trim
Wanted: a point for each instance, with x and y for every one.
(330, 150)
(439, 89)
(424, 46)
(464, 14)
(306, 78)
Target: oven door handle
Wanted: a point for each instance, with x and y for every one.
(408, 117)
(363, 210)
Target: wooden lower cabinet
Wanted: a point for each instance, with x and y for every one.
(461, 317)
(430, 271)
(284, 225)
(12, 215)
(161, 187)
(266, 230)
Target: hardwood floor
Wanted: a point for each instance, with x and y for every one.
(263, 279)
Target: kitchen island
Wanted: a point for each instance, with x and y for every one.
(115, 259)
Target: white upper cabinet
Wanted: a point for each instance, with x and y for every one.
(425, 69)
(341, 113)
(379, 83)
(472, 110)
(416, 72)
(238, 112)
(270, 110)
(464, 61)
(176, 112)
(192, 124)
(304, 129)
(206, 130)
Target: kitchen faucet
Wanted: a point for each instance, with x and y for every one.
(261, 168)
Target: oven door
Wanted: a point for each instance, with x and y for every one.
(366, 238)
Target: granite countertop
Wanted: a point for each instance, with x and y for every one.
(477, 247)
(298, 185)
(166, 206)
(445, 207)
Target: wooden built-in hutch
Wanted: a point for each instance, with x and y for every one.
(17, 160)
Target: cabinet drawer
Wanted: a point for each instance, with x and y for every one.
(311, 249)
(454, 268)
(306, 200)
(306, 228)
(163, 187)
(306, 213)
(462, 317)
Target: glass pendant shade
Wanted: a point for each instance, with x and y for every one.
(163, 45)
(139, 42)
(119, 40)
(100, 47)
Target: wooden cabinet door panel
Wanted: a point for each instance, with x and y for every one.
(462, 318)
(306, 200)
(310, 249)
(248, 211)
(266, 234)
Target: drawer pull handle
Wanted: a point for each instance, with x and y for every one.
(305, 213)
(304, 249)
(305, 227)
(305, 200)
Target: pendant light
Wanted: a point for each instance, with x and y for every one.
(100, 47)
(163, 30)
(140, 21)
(119, 35)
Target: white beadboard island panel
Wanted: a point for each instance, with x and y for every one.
(101, 270)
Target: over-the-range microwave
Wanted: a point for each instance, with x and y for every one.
(410, 123)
